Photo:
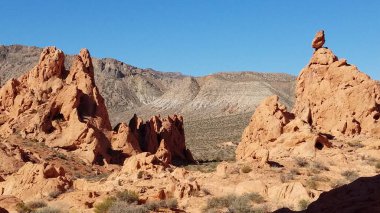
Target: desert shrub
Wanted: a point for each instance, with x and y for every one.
(238, 204)
(255, 197)
(350, 175)
(220, 202)
(286, 177)
(311, 183)
(337, 183)
(320, 166)
(48, 209)
(154, 205)
(128, 196)
(295, 172)
(246, 169)
(355, 144)
(55, 194)
(36, 204)
(302, 162)
(377, 165)
(104, 206)
(171, 203)
(123, 207)
(21, 207)
(303, 204)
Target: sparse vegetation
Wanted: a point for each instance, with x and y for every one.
(234, 203)
(55, 194)
(350, 175)
(303, 204)
(355, 144)
(337, 183)
(377, 165)
(48, 209)
(36, 204)
(122, 207)
(302, 162)
(21, 207)
(320, 166)
(104, 206)
(286, 177)
(311, 183)
(246, 169)
(205, 167)
(127, 196)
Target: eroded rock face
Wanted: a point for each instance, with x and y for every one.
(267, 124)
(62, 108)
(38, 179)
(342, 100)
(163, 137)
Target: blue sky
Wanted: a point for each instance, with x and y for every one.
(199, 37)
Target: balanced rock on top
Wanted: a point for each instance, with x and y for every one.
(318, 40)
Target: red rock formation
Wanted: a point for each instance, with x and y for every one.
(332, 98)
(165, 138)
(65, 112)
(267, 124)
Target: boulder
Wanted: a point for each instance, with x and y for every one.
(288, 194)
(318, 40)
(39, 179)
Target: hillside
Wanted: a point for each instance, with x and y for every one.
(225, 100)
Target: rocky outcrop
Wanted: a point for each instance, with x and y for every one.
(38, 179)
(333, 99)
(342, 100)
(266, 125)
(62, 108)
(275, 133)
(163, 137)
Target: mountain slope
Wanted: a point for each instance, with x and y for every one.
(210, 104)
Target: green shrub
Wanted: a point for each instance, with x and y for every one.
(104, 206)
(246, 169)
(303, 204)
(127, 196)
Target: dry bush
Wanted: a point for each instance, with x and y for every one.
(246, 169)
(302, 162)
(303, 204)
(350, 175)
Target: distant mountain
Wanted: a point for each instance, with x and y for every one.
(128, 90)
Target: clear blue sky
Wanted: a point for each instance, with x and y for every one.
(199, 37)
